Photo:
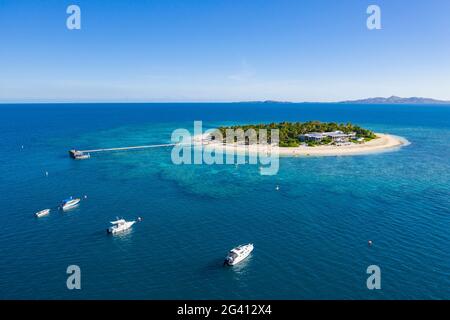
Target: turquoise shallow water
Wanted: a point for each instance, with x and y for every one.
(310, 236)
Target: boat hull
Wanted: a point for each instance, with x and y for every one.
(122, 228)
(42, 213)
(70, 205)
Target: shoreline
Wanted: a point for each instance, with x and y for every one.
(383, 143)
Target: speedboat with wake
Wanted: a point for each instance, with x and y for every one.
(70, 203)
(238, 254)
(120, 225)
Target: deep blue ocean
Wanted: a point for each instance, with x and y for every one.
(311, 236)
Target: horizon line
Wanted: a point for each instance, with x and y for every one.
(369, 100)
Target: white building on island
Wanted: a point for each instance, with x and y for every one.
(337, 136)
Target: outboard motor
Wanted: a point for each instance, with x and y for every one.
(229, 260)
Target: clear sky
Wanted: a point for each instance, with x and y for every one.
(223, 50)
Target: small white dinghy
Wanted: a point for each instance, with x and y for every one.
(120, 225)
(42, 213)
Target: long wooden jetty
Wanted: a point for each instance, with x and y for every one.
(85, 154)
(129, 148)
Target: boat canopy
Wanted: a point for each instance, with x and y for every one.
(67, 200)
(118, 221)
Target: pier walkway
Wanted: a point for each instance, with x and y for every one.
(86, 154)
(129, 148)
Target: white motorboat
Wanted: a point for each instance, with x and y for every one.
(120, 225)
(238, 254)
(79, 155)
(42, 213)
(70, 203)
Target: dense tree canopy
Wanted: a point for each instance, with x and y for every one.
(290, 131)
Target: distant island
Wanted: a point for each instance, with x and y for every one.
(376, 100)
(264, 101)
(396, 100)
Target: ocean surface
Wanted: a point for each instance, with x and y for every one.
(311, 236)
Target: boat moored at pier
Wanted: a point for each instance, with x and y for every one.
(79, 155)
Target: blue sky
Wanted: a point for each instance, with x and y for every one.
(223, 50)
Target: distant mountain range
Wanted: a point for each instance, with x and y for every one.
(377, 100)
(397, 100)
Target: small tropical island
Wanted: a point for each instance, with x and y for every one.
(311, 138)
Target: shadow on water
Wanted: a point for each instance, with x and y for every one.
(214, 265)
(242, 267)
(74, 209)
(124, 235)
(219, 266)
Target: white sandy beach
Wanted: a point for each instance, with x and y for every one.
(383, 142)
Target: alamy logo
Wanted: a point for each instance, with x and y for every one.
(74, 279)
(374, 280)
(73, 22)
(233, 146)
(374, 20)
